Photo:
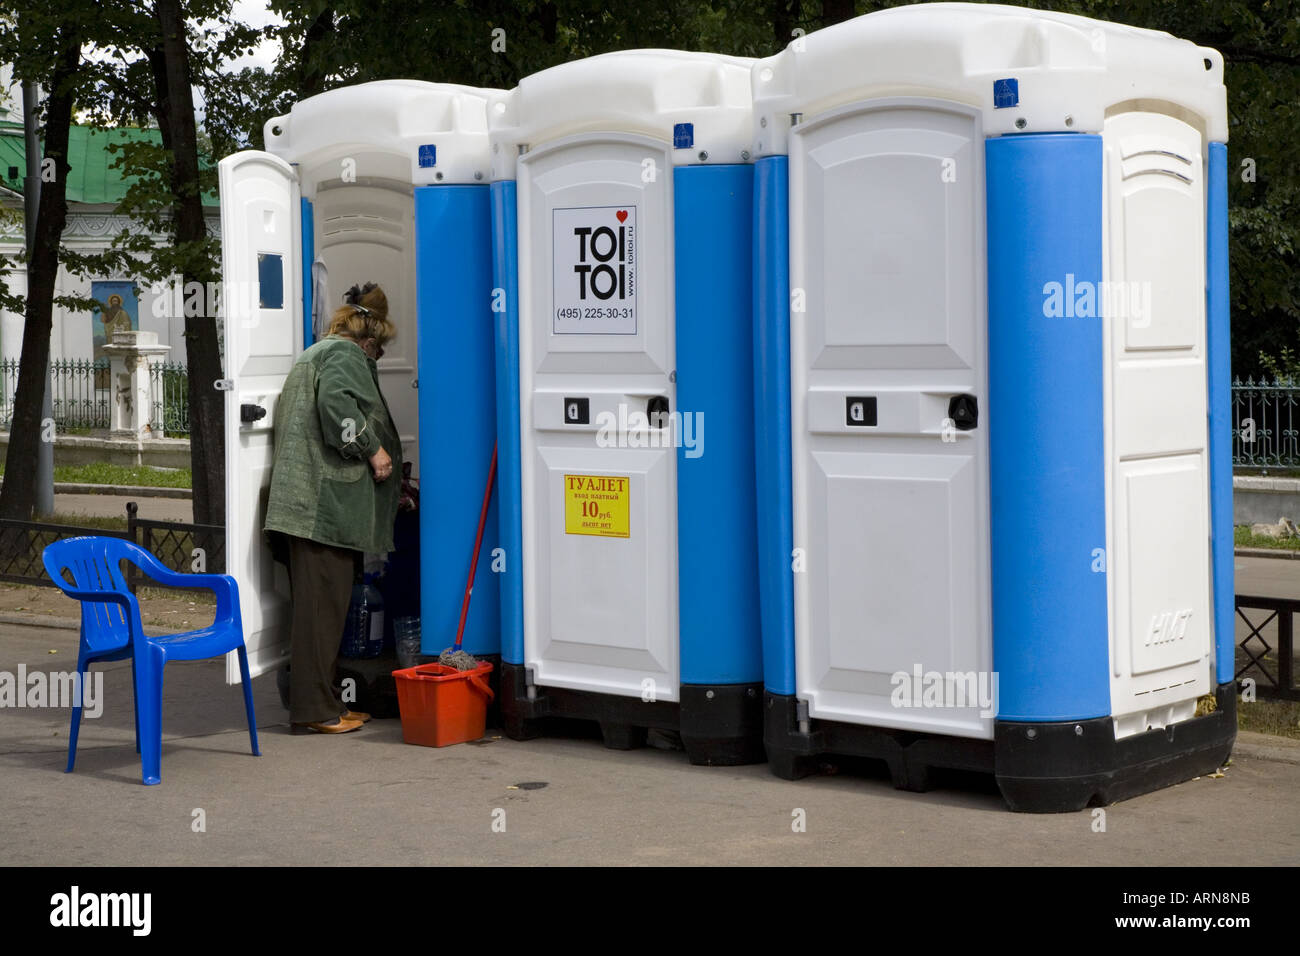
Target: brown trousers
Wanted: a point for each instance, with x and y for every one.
(321, 580)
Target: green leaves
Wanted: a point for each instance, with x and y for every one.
(327, 44)
(1260, 42)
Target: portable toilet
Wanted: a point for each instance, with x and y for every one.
(385, 182)
(994, 475)
(622, 228)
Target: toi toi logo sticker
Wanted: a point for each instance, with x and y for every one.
(595, 270)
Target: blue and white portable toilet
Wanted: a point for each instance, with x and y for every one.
(386, 182)
(622, 204)
(994, 476)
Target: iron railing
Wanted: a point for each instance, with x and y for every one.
(179, 546)
(22, 542)
(170, 400)
(1266, 423)
(172, 542)
(79, 389)
(82, 394)
(1272, 666)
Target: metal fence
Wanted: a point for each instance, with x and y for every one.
(21, 544)
(169, 392)
(178, 545)
(1267, 653)
(79, 391)
(82, 394)
(1266, 423)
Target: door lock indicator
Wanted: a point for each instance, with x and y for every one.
(964, 410)
(860, 410)
(577, 411)
(656, 410)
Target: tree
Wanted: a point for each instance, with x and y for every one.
(1260, 43)
(46, 49)
(174, 109)
(162, 50)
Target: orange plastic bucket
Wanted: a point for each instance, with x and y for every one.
(440, 705)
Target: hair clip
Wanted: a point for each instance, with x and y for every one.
(353, 297)
(354, 294)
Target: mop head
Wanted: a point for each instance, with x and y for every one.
(461, 660)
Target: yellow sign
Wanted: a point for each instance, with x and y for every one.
(596, 504)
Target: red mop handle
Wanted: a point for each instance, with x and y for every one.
(478, 543)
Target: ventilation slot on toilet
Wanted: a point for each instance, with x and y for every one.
(1157, 162)
(336, 225)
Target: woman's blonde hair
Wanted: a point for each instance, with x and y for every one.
(364, 315)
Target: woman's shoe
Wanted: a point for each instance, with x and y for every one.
(339, 725)
(357, 715)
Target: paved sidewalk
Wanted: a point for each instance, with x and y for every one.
(367, 798)
(114, 506)
(1267, 577)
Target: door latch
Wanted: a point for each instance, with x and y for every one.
(656, 410)
(964, 410)
(251, 413)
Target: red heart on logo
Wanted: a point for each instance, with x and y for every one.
(622, 215)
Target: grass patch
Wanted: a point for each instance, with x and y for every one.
(1242, 537)
(100, 473)
(105, 474)
(1278, 717)
(1265, 715)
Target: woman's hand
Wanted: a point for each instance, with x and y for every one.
(381, 465)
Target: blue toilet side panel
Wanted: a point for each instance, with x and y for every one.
(1046, 452)
(717, 546)
(772, 419)
(453, 265)
(1219, 363)
(308, 257)
(505, 299)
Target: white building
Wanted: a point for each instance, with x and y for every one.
(93, 192)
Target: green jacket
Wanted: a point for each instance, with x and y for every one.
(329, 420)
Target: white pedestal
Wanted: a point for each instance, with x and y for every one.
(131, 354)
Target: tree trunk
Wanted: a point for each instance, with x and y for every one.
(202, 350)
(785, 17)
(836, 11)
(26, 431)
(312, 78)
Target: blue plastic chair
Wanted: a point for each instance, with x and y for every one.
(111, 631)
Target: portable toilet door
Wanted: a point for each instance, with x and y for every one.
(384, 182)
(622, 203)
(984, 467)
(261, 236)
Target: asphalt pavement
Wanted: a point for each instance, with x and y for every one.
(114, 506)
(369, 799)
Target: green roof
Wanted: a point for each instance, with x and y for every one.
(11, 155)
(91, 178)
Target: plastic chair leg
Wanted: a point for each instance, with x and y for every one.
(136, 710)
(248, 699)
(148, 706)
(76, 719)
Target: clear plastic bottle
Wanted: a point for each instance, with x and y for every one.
(363, 634)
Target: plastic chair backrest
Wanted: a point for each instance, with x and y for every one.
(95, 564)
